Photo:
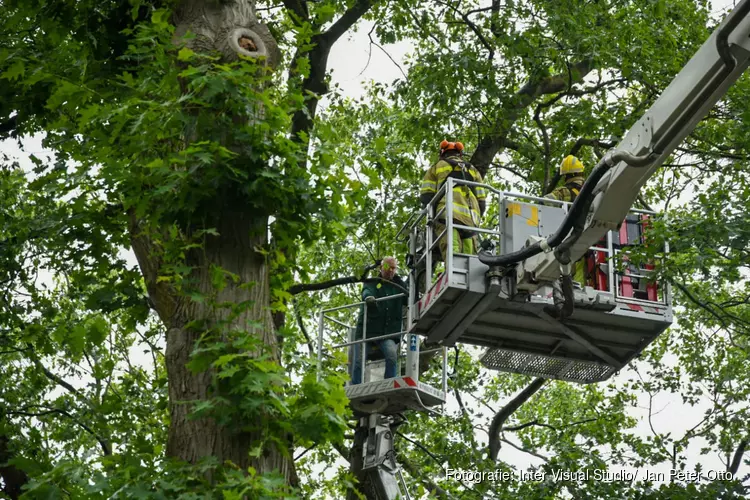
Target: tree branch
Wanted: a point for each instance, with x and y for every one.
(425, 31)
(305, 452)
(473, 27)
(578, 93)
(545, 138)
(557, 83)
(737, 459)
(491, 143)
(589, 142)
(432, 456)
(495, 8)
(342, 451)
(644, 204)
(714, 154)
(7, 127)
(421, 447)
(467, 418)
(298, 8)
(433, 488)
(507, 411)
(62, 382)
(106, 449)
(303, 329)
(509, 169)
(347, 20)
(514, 428)
(324, 285)
(373, 42)
(519, 448)
(314, 84)
(14, 351)
(722, 321)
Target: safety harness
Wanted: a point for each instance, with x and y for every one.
(574, 189)
(460, 171)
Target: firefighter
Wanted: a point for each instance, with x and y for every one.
(468, 201)
(383, 317)
(571, 170)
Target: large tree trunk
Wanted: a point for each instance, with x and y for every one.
(356, 462)
(13, 478)
(191, 439)
(225, 27)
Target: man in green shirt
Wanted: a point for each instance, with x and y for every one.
(383, 317)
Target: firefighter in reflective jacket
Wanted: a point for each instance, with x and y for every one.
(571, 170)
(468, 201)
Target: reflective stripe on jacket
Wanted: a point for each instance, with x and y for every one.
(568, 192)
(466, 199)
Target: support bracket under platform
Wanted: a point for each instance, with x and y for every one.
(583, 340)
(481, 306)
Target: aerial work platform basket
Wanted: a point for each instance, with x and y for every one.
(618, 311)
(376, 394)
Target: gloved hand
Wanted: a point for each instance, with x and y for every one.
(370, 300)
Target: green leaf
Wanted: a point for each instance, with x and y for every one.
(77, 338)
(160, 17)
(185, 54)
(16, 70)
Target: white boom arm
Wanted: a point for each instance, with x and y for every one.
(705, 79)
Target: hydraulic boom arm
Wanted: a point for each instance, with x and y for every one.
(614, 184)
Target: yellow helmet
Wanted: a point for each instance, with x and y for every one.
(571, 165)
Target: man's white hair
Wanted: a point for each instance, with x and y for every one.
(392, 261)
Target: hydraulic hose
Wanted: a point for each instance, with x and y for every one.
(569, 296)
(563, 298)
(564, 248)
(577, 212)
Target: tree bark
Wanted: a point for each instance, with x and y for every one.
(356, 461)
(219, 26)
(225, 27)
(737, 458)
(302, 122)
(192, 439)
(13, 478)
(502, 416)
(232, 28)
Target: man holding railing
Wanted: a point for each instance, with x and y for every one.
(384, 317)
(468, 201)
